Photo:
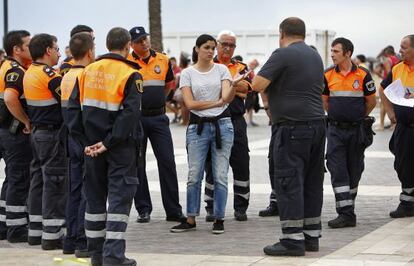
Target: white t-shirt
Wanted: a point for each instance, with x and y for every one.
(206, 86)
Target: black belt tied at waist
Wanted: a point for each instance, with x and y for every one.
(153, 111)
(195, 119)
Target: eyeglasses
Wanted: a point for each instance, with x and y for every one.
(55, 48)
(227, 45)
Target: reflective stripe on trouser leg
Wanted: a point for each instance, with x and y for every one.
(292, 229)
(312, 227)
(34, 201)
(239, 162)
(3, 226)
(122, 185)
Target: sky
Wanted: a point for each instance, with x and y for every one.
(369, 24)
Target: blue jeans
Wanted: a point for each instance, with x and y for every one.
(197, 149)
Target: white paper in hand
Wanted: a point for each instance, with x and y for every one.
(395, 92)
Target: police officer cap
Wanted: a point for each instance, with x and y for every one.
(137, 33)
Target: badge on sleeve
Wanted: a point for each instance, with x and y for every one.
(49, 71)
(139, 85)
(12, 77)
(370, 85)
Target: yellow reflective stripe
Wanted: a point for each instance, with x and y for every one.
(47, 102)
(154, 83)
(16, 208)
(115, 235)
(52, 236)
(346, 94)
(99, 217)
(341, 189)
(36, 233)
(101, 104)
(95, 233)
(53, 222)
(312, 220)
(13, 222)
(296, 236)
(292, 223)
(35, 218)
(113, 217)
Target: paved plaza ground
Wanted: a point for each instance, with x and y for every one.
(377, 239)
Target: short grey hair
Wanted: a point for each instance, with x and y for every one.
(225, 32)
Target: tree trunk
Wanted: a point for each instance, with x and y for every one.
(155, 27)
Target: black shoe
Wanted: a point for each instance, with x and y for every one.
(218, 227)
(176, 218)
(144, 218)
(183, 227)
(271, 210)
(279, 250)
(51, 244)
(342, 221)
(3, 235)
(34, 241)
(82, 253)
(68, 251)
(20, 239)
(402, 212)
(96, 261)
(240, 216)
(312, 245)
(210, 216)
(126, 262)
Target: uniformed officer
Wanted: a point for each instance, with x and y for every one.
(103, 112)
(157, 73)
(69, 61)
(402, 140)
(14, 137)
(293, 78)
(271, 209)
(47, 195)
(239, 159)
(83, 50)
(348, 97)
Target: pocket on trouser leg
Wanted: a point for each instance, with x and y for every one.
(131, 184)
(285, 181)
(56, 178)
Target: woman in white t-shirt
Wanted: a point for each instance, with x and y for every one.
(207, 89)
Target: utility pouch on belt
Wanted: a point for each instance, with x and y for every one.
(369, 133)
(15, 126)
(4, 112)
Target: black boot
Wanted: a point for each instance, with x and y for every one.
(342, 221)
(271, 210)
(279, 250)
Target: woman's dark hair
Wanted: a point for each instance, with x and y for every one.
(202, 39)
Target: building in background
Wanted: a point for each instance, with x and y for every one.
(252, 44)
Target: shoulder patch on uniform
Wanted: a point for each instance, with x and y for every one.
(139, 85)
(370, 85)
(12, 77)
(49, 71)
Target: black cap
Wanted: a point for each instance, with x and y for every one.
(137, 33)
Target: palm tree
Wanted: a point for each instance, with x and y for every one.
(155, 26)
